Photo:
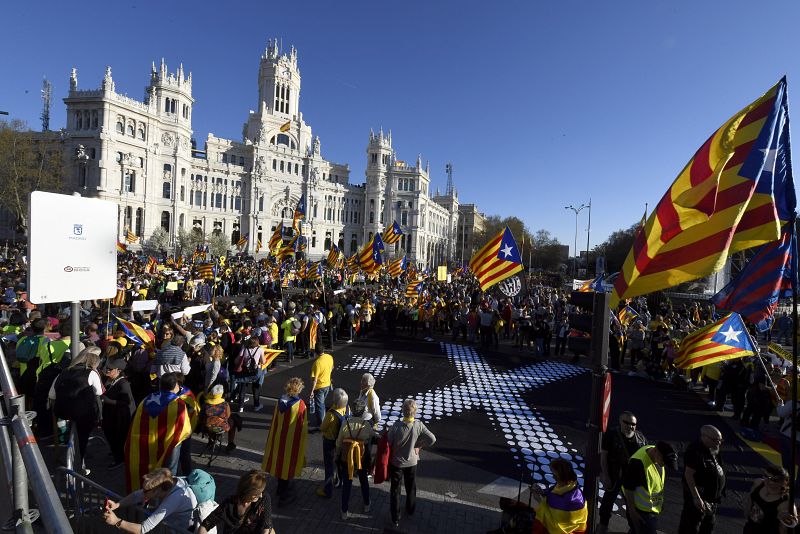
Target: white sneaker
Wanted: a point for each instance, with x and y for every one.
(345, 516)
(367, 508)
(349, 340)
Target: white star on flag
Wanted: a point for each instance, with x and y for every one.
(731, 334)
(507, 250)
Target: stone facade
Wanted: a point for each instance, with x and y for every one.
(471, 225)
(142, 156)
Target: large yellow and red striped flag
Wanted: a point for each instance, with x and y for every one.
(369, 258)
(497, 260)
(725, 339)
(285, 450)
(722, 202)
(160, 423)
(276, 239)
(130, 237)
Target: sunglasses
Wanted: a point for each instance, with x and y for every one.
(629, 423)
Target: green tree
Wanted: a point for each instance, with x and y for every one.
(29, 161)
(158, 242)
(188, 241)
(616, 248)
(218, 244)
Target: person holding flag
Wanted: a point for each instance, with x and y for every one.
(299, 214)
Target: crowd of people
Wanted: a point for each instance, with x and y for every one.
(161, 368)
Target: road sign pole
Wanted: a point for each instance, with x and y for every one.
(599, 352)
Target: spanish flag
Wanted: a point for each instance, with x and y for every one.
(160, 423)
(286, 127)
(285, 450)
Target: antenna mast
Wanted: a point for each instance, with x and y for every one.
(449, 170)
(47, 92)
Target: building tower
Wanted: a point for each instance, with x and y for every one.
(279, 82)
(169, 98)
(379, 158)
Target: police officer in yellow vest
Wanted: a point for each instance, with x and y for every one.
(643, 485)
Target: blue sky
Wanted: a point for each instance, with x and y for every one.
(537, 104)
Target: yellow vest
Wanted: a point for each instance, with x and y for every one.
(649, 498)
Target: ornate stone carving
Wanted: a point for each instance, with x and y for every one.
(260, 165)
(315, 148)
(167, 139)
(313, 177)
(184, 142)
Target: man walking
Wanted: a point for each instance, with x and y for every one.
(320, 386)
(618, 445)
(703, 482)
(643, 485)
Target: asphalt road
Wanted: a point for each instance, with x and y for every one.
(499, 413)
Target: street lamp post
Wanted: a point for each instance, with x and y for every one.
(577, 210)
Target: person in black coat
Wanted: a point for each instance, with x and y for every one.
(118, 408)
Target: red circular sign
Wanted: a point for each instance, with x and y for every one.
(606, 402)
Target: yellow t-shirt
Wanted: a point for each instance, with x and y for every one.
(273, 332)
(321, 370)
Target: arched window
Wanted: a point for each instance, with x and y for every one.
(166, 190)
(139, 221)
(282, 139)
(165, 220)
(261, 204)
(181, 218)
(94, 119)
(167, 168)
(183, 192)
(120, 127)
(130, 130)
(140, 133)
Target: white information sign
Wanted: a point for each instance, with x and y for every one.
(144, 305)
(71, 248)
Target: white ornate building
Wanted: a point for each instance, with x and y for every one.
(142, 156)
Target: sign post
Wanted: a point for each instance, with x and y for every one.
(71, 252)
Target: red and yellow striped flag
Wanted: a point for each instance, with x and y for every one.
(119, 299)
(720, 203)
(497, 260)
(285, 450)
(276, 239)
(160, 423)
(269, 355)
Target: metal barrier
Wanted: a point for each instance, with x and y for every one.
(84, 501)
(23, 463)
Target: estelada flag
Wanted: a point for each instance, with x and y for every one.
(276, 239)
(725, 339)
(497, 260)
(392, 234)
(723, 201)
(285, 450)
(160, 423)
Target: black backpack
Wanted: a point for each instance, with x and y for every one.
(75, 398)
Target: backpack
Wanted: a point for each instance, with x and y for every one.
(265, 338)
(295, 327)
(75, 398)
(28, 348)
(202, 485)
(29, 377)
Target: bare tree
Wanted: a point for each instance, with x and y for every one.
(158, 242)
(29, 161)
(218, 244)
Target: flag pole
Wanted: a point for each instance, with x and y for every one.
(793, 453)
(760, 359)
